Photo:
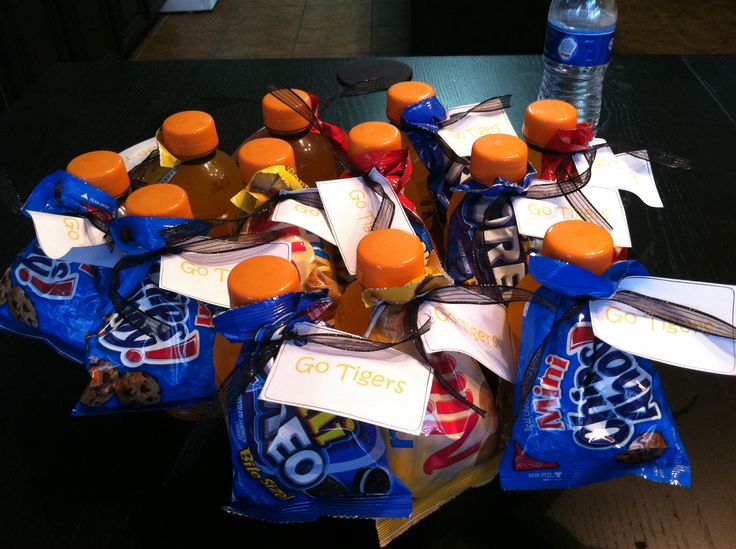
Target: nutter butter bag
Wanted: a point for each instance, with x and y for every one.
(293, 464)
(585, 411)
(56, 300)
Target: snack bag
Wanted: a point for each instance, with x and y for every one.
(585, 412)
(55, 300)
(293, 464)
(458, 448)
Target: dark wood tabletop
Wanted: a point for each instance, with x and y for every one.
(99, 482)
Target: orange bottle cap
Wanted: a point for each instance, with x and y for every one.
(261, 277)
(159, 200)
(580, 243)
(373, 136)
(280, 117)
(543, 118)
(389, 258)
(190, 134)
(498, 155)
(405, 94)
(102, 169)
(261, 153)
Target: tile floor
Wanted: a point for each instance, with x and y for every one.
(347, 28)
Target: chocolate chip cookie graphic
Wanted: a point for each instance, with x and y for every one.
(647, 447)
(4, 287)
(137, 389)
(21, 307)
(102, 386)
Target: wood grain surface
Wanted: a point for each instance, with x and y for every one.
(98, 482)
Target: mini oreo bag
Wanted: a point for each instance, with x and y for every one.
(585, 411)
(54, 300)
(293, 464)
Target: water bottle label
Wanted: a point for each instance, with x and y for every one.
(583, 49)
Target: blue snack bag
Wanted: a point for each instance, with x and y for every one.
(585, 411)
(132, 369)
(292, 464)
(54, 300)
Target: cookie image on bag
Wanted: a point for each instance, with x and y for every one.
(371, 481)
(103, 385)
(4, 287)
(329, 487)
(647, 447)
(21, 307)
(138, 389)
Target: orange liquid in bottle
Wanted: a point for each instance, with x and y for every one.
(209, 176)
(315, 160)
(251, 281)
(579, 243)
(104, 170)
(399, 97)
(388, 258)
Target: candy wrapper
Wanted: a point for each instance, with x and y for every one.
(483, 241)
(55, 300)
(585, 412)
(293, 464)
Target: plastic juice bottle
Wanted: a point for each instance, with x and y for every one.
(373, 137)
(388, 258)
(104, 170)
(208, 175)
(262, 153)
(399, 97)
(492, 156)
(580, 243)
(542, 119)
(251, 281)
(315, 159)
(159, 200)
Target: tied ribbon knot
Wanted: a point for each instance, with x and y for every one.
(395, 166)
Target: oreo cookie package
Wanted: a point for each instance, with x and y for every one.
(585, 411)
(293, 464)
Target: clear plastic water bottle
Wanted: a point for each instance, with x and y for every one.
(576, 53)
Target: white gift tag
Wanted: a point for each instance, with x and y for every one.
(204, 276)
(132, 156)
(386, 388)
(480, 331)
(351, 207)
(295, 213)
(639, 334)
(461, 135)
(622, 171)
(100, 256)
(58, 234)
(534, 217)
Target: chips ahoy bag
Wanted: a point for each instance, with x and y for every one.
(586, 412)
(55, 300)
(294, 464)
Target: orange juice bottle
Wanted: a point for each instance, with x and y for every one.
(262, 153)
(104, 170)
(251, 281)
(542, 119)
(159, 200)
(208, 176)
(315, 160)
(399, 97)
(580, 243)
(388, 258)
(492, 156)
(373, 137)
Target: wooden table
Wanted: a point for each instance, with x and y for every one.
(98, 482)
